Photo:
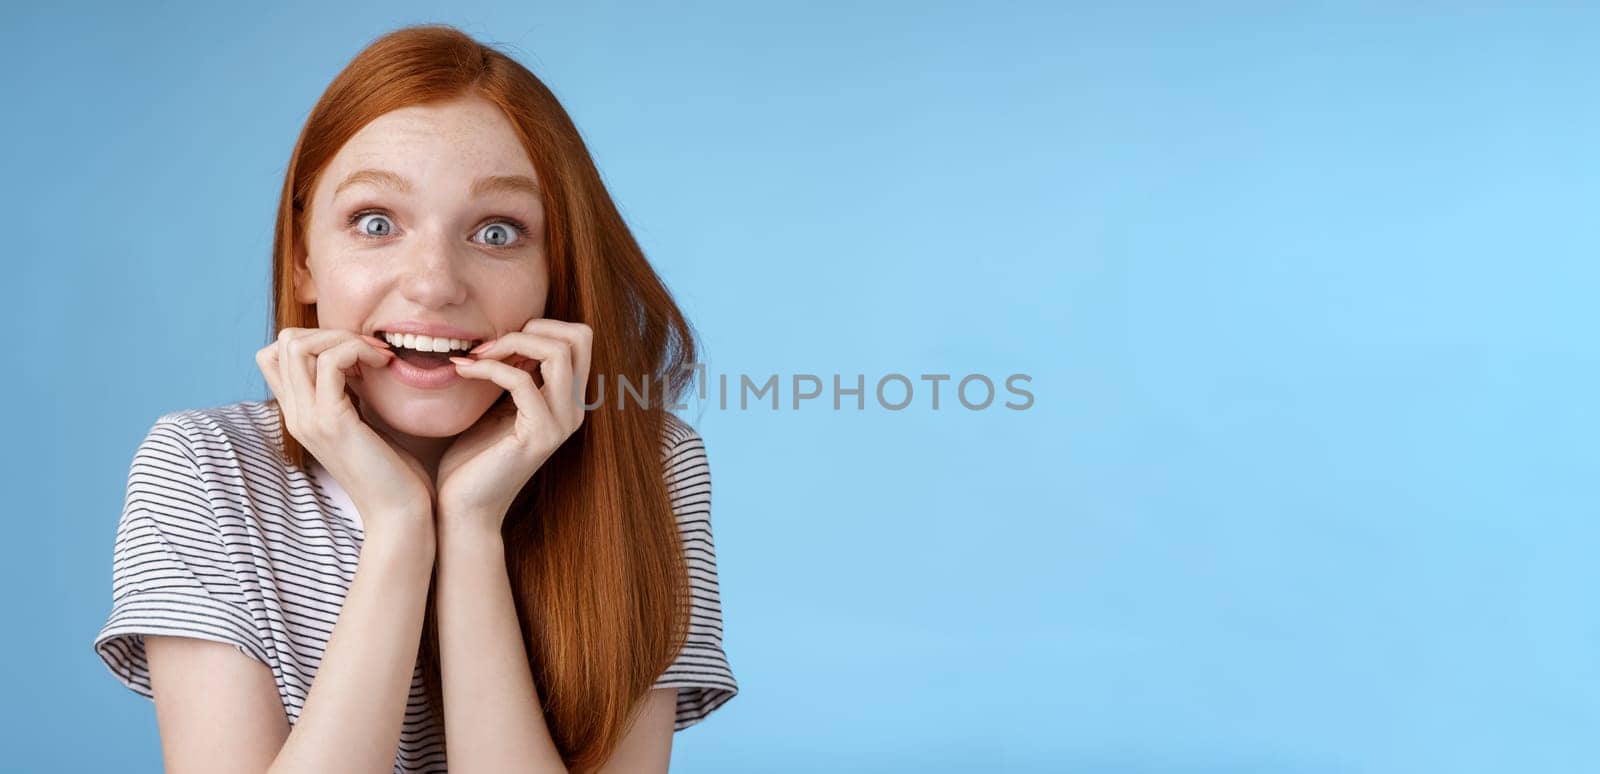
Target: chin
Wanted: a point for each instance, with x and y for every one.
(432, 413)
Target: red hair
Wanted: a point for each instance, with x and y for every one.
(592, 546)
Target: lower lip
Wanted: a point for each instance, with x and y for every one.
(423, 378)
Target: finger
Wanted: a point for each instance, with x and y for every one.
(286, 393)
(519, 383)
(331, 366)
(300, 354)
(579, 339)
(579, 336)
(555, 365)
(378, 344)
(553, 353)
(294, 367)
(267, 361)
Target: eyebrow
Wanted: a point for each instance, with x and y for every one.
(483, 185)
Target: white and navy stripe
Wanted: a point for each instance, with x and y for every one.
(220, 540)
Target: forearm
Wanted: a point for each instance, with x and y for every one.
(494, 721)
(356, 705)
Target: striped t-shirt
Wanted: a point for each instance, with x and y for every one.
(220, 539)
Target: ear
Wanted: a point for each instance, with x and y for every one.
(305, 288)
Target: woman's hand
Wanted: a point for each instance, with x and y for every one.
(486, 466)
(306, 369)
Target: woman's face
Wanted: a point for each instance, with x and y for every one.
(419, 218)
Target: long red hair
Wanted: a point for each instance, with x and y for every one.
(592, 546)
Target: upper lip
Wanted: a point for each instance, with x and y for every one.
(423, 328)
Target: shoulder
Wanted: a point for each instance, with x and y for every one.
(218, 440)
(676, 432)
(683, 451)
(191, 500)
(222, 468)
(229, 456)
(249, 423)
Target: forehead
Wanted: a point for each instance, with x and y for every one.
(464, 138)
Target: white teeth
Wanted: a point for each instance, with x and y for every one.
(426, 343)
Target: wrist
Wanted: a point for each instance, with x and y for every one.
(469, 531)
(401, 539)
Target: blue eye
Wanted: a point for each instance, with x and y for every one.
(498, 235)
(505, 232)
(384, 227)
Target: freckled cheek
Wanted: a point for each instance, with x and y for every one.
(347, 293)
(357, 272)
(516, 296)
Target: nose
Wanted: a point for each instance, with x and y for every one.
(430, 272)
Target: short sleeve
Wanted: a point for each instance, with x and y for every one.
(701, 672)
(171, 573)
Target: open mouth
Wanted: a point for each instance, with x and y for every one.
(426, 351)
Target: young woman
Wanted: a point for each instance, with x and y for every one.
(448, 531)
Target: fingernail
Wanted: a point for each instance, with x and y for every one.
(462, 361)
(482, 347)
(375, 341)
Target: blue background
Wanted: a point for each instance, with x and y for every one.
(1306, 293)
